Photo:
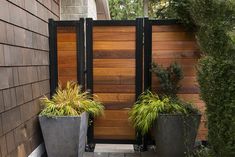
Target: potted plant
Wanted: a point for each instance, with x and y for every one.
(64, 120)
(174, 122)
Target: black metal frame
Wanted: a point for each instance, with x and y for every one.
(79, 26)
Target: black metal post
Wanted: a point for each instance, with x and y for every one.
(89, 70)
(139, 71)
(147, 67)
(80, 52)
(53, 56)
(147, 54)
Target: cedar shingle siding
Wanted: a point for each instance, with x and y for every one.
(24, 72)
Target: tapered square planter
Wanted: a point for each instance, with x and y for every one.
(175, 134)
(64, 136)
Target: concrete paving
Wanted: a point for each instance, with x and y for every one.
(114, 148)
(111, 150)
(117, 150)
(143, 154)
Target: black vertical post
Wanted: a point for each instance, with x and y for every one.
(147, 67)
(139, 67)
(147, 54)
(53, 56)
(139, 57)
(80, 52)
(89, 70)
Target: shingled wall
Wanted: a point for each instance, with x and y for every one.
(24, 72)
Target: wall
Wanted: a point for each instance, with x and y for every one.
(76, 9)
(24, 74)
(92, 12)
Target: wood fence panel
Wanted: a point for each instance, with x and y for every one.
(67, 54)
(114, 80)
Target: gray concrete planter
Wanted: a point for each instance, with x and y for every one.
(175, 134)
(64, 136)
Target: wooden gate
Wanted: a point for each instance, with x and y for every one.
(114, 74)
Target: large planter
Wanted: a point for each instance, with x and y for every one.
(64, 136)
(175, 134)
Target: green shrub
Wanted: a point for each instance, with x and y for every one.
(70, 101)
(201, 152)
(213, 22)
(217, 84)
(169, 78)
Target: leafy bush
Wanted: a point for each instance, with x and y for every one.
(217, 81)
(201, 152)
(149, 105)
(70, 101)
(169, 78)
(213, 22)
(125, 9)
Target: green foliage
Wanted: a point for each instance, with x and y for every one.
(160, 9)
(201, 152)
(213, 22)
(169, 78)
(132, 9)
(149, 105)
(70, 101)
(217, 81)
(126, 9)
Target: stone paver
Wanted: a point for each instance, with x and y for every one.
(143, 154)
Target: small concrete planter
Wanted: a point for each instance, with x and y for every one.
(175, 134)
(64, 136)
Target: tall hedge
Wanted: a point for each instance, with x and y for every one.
(213, 23)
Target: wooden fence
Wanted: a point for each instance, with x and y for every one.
(116, 66)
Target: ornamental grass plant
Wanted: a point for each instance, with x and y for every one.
(71, 101)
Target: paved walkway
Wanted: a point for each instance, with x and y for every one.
(143, 154)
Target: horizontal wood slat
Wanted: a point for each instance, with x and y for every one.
(114, 45)
(114, 88)
(113, 29)
(114, 80)
(176, 54)
(129, 36)
(175, 45)
(67, 29)
(114, 54)
(114, 71)
(173, 36)
(114, 63)
(168, 28)
(66, 37)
